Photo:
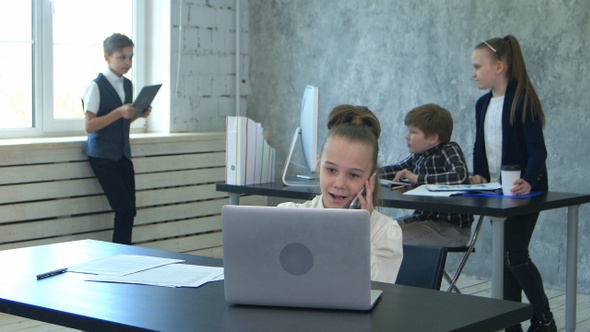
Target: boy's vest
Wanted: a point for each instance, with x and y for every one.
(112, 141)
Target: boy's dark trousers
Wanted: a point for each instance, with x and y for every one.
(117, 179)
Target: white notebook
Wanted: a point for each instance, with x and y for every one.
(464, 187)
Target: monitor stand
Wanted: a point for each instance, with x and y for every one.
(302, 180)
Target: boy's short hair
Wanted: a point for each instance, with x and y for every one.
(431, 119)
(116, 42)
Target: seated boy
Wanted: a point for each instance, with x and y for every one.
(433, 160)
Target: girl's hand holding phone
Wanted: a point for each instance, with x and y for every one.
(364, 199)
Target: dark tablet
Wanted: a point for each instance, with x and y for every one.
(145, 98)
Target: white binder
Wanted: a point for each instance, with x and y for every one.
(249, 158)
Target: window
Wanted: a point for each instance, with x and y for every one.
(50, 50)
(16, 84)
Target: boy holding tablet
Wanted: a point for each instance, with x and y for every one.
(108, 114)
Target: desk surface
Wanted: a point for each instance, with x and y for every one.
(68, 300)
(488, 206)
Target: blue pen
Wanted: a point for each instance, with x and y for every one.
(51, 273)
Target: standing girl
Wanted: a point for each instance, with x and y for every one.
(347, 163)
(509, 131)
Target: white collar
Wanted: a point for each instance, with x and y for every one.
(112, 78)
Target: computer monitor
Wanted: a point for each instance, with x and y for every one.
(308, 122)
(308, 131)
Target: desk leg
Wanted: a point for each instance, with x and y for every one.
(234, 198)
(497, 257)
(571, 273)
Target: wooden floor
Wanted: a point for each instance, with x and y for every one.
(468, 286)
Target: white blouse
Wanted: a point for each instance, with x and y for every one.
(493, 137)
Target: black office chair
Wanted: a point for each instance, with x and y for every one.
(422, 266)
(466, 250)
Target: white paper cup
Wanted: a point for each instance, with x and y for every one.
(510, 173)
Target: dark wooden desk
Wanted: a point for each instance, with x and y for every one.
(493, 207)
(68, 300)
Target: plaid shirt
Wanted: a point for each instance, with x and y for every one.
(442, 164)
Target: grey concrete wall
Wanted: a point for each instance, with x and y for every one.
(395, 55)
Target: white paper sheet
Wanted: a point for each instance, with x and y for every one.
(172, 275)
(423, 191)
(465, 187)
(120, 265)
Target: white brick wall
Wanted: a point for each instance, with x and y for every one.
(208, 68)
(202, 16)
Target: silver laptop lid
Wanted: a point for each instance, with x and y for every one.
(299, 257)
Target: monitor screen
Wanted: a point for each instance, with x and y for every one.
(308, 122)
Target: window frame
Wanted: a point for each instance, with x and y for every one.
(43, 123)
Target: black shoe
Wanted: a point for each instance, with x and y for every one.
(542, 325)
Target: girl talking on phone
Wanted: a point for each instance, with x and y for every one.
(347, 167)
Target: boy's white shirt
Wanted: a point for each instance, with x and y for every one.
(386, 242)
(91, 97)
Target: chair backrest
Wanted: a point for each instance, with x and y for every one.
(422, 266)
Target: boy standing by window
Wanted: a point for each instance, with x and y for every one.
(108, 114)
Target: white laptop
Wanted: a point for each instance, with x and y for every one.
(297, 257)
